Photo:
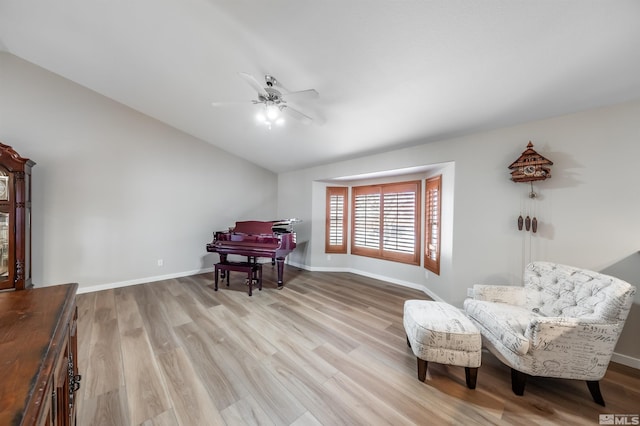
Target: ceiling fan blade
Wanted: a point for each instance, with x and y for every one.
(302, 94)
(297, 115)
(251, 80)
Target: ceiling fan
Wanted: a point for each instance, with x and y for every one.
(274, 101)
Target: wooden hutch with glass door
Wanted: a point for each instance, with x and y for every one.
(15, 220)
(38, 326)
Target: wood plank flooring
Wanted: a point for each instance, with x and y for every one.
(328, 349)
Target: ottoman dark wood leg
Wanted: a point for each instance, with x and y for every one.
(594, 388)
(471, 374)
(518, 380)
(408, 342)
(422, 369)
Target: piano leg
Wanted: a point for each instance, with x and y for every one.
(280, 265)
(215, 274)
(223, 259)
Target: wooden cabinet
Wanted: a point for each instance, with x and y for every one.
(38, 347)
(15, 219)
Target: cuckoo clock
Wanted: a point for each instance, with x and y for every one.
(530, 166)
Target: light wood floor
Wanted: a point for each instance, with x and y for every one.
(328, 349)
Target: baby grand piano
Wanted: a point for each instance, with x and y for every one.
(252, 238)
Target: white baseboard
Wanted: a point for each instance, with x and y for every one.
(626, 360)
(402, 283)
(100, 287)
(370, 275)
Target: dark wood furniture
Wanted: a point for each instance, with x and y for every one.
(15, 219)
(254, 239)
(253, 271)
(38, 347)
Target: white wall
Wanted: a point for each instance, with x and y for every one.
(114, 190)
(587, 211)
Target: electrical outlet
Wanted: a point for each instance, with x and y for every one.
(160, 262)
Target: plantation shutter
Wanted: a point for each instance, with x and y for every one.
(336, 227)
(433, 218)
(336, 220)
(366, 223)
(386, 221)
(399, 222)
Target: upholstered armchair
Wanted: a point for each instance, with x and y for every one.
(564, 322)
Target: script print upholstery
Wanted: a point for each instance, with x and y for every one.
(441, 333)
(564, 322)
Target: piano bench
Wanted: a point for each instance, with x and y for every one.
(253, 271)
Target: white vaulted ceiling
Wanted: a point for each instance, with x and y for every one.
(389, 73)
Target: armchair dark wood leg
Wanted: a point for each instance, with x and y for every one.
(471, 374)
(422, 369)
(408, 342)
(518, 380)
(594, 388)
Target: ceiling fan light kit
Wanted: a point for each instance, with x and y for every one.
(270, 116)
(272, 112)
(273, 101)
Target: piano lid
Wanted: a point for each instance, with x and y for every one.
(253, 227)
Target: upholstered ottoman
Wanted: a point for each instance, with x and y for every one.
(439, 332)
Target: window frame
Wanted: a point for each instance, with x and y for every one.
(336, 191)
(380, 252)
(433, 224)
